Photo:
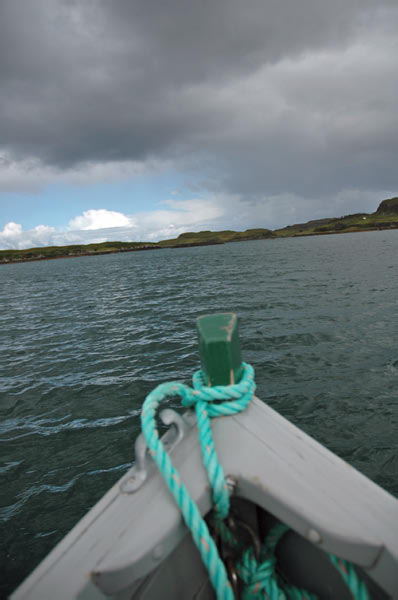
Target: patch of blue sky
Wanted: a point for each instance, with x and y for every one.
(57, 204)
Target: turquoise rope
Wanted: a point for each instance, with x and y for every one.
(356, 586)
(235, 399)
(262, 581)
(259, 575)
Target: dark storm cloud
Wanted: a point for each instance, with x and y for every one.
(268, 97)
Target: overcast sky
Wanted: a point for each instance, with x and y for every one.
(141, 119)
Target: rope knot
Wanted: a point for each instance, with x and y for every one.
(259, 576)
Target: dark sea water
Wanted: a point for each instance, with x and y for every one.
(84, 340)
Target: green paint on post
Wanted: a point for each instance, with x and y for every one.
(219, 348)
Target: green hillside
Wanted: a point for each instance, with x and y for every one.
(215, 237)
(385, 217)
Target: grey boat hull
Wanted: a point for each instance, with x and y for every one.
(134, 544)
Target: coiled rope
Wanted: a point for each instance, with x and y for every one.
(258, 573)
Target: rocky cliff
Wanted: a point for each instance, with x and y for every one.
(388, 207)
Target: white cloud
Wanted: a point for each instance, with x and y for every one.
(11, 230)
(100, 219)
(13, 236)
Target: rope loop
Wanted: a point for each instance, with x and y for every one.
(256, 570)
(221, 400)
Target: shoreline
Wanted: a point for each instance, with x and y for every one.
(297, 235)
(104, 252)
(163, 245)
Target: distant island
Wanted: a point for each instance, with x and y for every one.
(385, 217)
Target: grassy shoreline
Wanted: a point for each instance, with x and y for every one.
(185, 240)
(385, 217)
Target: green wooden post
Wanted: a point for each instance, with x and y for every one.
(219, 348)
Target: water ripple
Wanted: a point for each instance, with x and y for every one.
(83, 341)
